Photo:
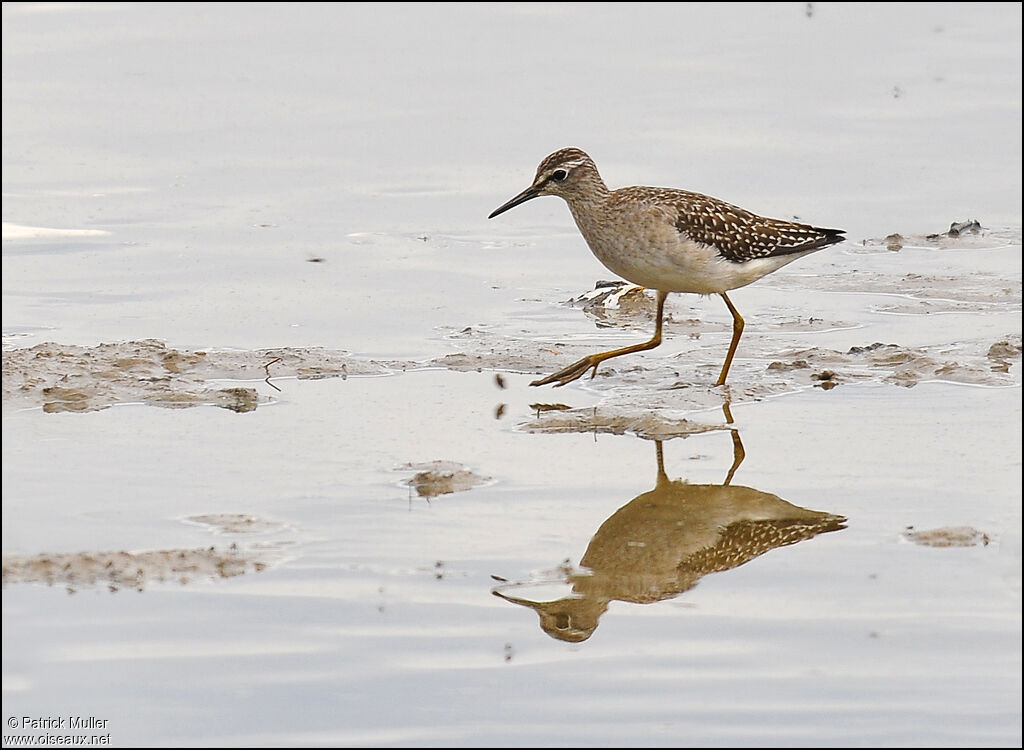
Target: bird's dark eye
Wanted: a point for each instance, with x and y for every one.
(559, 174)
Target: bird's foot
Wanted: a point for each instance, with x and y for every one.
(572, 372)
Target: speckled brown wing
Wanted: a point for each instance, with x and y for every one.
(742, 541)
(740, 235)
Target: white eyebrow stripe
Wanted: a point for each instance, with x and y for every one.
(568, 164)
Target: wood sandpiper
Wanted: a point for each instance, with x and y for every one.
(668, 240)
(661, 543)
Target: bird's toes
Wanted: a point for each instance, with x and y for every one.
(575, 372)
(566, 375)
(546, 381)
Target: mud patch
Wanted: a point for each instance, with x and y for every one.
(1003, 353)
(962, 275)
(619, 304)
(651, 425)
(435, 478)
(235, 523)
(974, 363)
(130, 570)
(966, 234)
(639, 393)
(947, 536)
(62, 378)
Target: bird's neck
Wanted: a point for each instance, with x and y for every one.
(588, 205)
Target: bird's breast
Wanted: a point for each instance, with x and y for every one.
(642, 246)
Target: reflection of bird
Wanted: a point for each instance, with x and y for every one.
(661, 543)
(669, 240)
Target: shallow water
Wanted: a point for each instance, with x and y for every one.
(219, 522)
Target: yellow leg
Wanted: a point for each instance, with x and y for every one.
(737, 331)
(577, 369)
(662, 476)
(738, 454)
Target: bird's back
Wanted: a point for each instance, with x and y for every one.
(738, 235)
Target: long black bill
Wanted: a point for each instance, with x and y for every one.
(536, 606)
(529, 193)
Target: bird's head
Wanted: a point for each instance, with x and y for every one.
(568, 173)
